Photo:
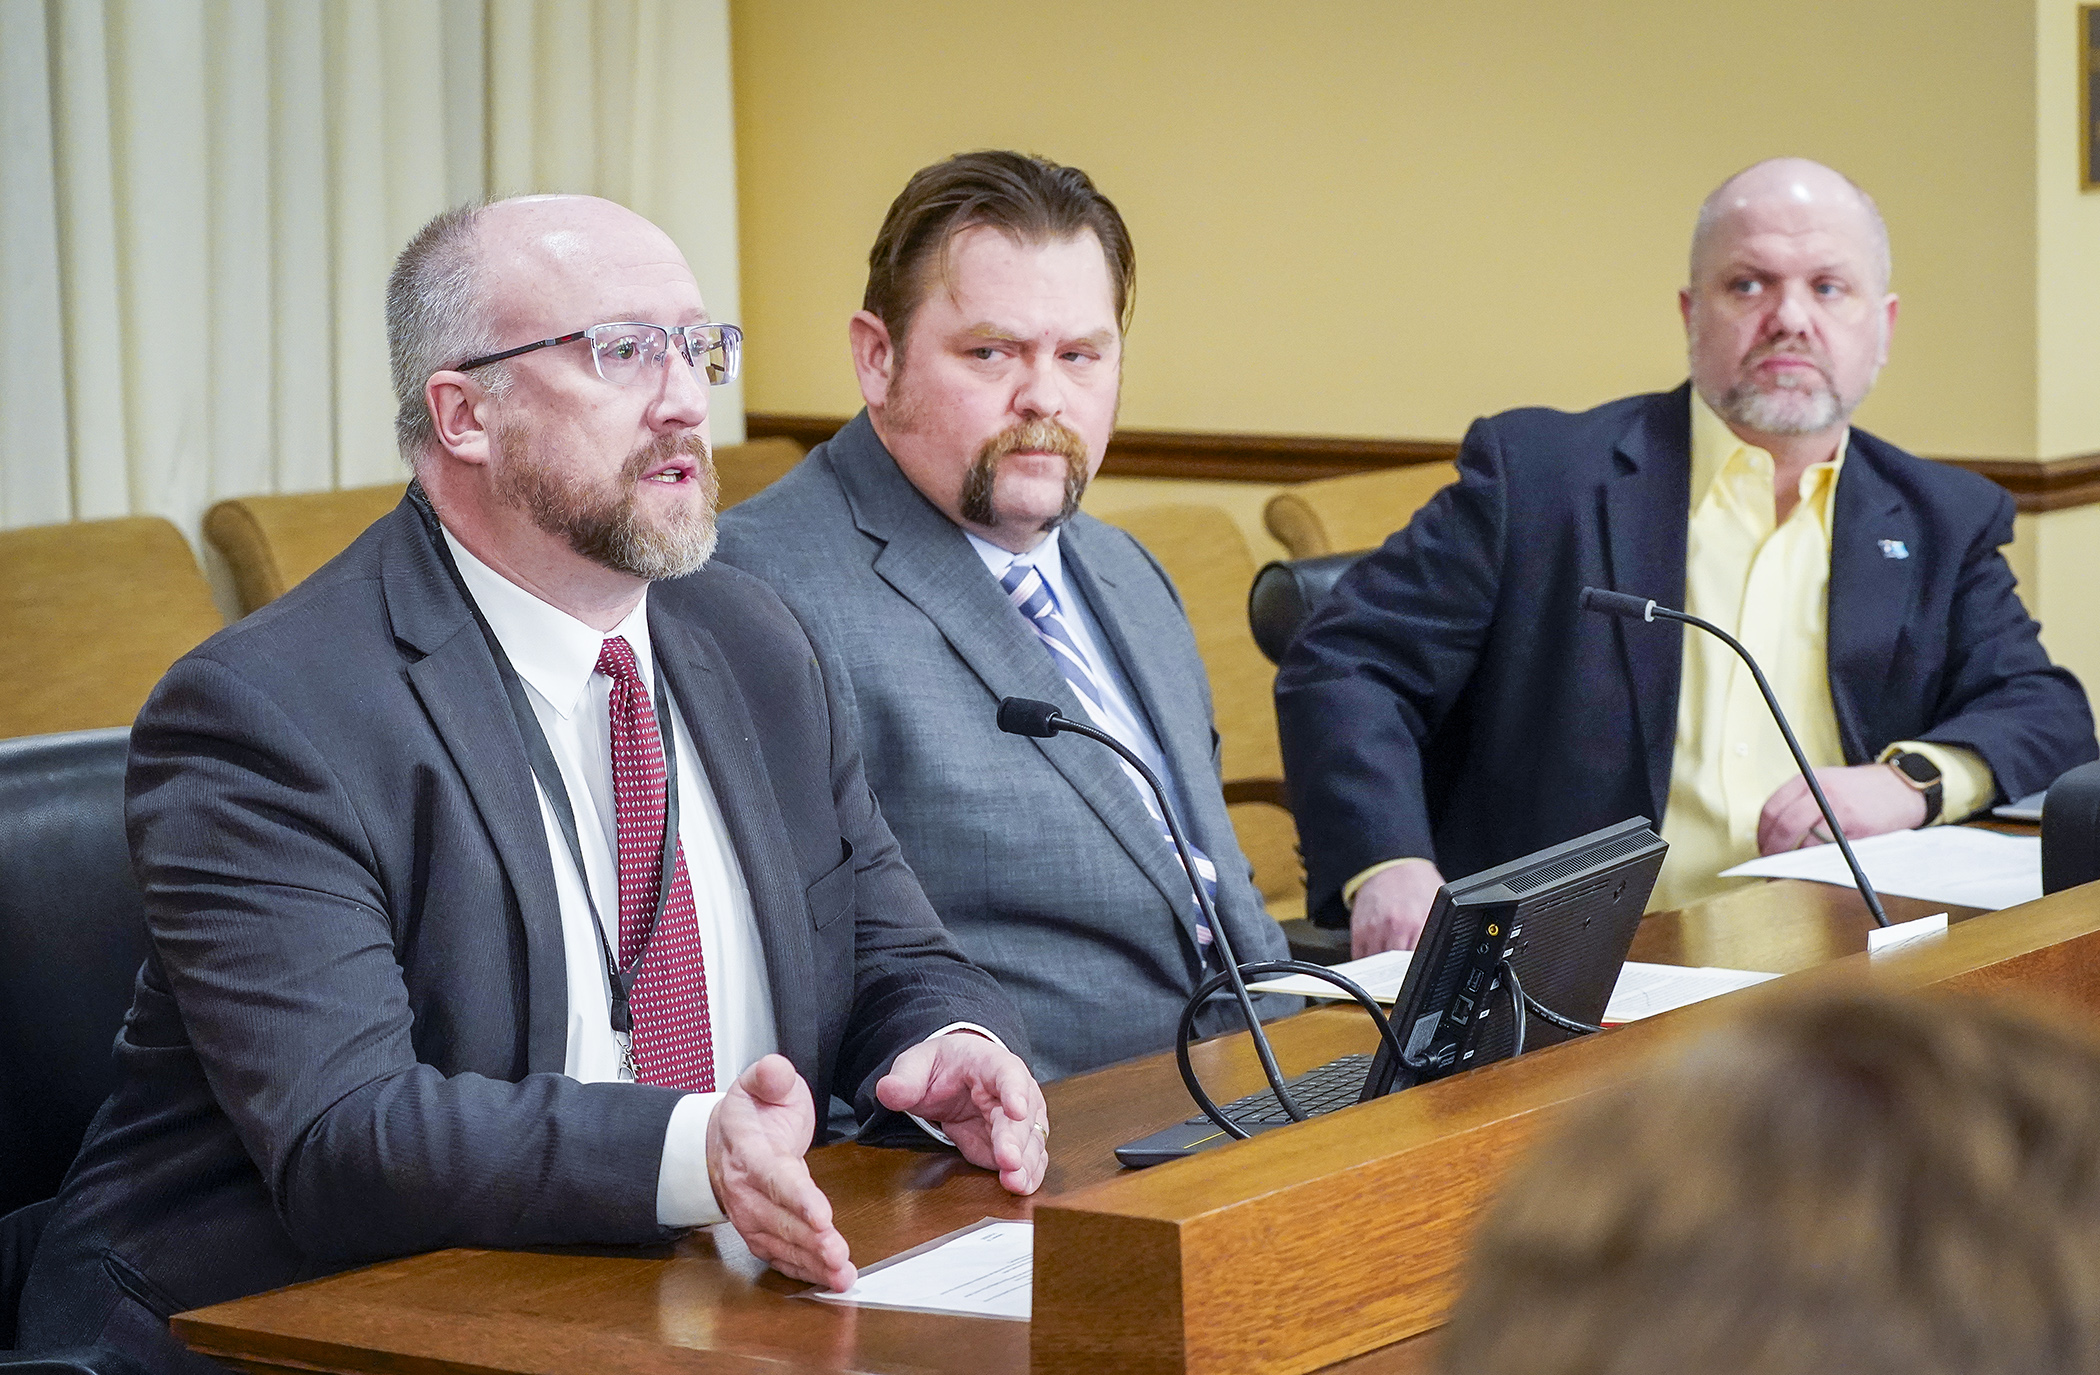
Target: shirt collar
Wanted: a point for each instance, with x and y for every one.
(1045, 556)
(552, 651)
(1716, 450)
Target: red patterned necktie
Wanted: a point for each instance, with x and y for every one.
(673, 1043)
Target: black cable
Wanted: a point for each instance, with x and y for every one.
(1215, 984)
(1544, 1013)
(1517, 999)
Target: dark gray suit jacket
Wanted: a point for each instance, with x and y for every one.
(1038, 854)
(348, 1039)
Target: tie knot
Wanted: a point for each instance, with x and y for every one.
(616, 660)
(1016, 573)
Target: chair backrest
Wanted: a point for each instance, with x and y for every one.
(1205, 554)
(274, 543)
(745, 470)
(1332, 515)
(1284, 595)
(72, 936)
(91, 615)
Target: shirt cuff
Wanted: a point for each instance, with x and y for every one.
(1966, 782)
(685, 1196)
(1349, 888)
(925, 1126)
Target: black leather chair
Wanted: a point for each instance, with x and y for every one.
(1284, 594)
(72, 936)
(2071, 830)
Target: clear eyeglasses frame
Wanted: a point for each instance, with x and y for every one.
(626, 352)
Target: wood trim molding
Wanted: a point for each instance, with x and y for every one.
(2052, 485)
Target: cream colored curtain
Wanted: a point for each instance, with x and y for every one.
(200, 201)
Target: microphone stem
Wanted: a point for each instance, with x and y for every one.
(1203, 904)
(1837, 833)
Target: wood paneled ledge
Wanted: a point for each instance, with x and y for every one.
(2052, 485)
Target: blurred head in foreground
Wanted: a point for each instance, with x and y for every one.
(1850, 1182)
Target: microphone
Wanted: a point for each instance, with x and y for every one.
(1608, 603)
(1026, 716)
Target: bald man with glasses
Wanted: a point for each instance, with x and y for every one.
(513, 881)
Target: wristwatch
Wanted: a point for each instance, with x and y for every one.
(1924, 775)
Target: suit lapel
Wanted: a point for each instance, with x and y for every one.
(930, 563)
(1869, 586)
(457, 683)
(719, 721)
(1645, 505)
(1184, 740)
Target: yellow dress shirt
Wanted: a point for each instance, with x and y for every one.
(1766, 582)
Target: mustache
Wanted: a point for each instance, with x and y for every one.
(1043, 434)
(662, 450)
(1791, 348)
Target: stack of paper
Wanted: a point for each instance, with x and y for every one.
(1957, 865)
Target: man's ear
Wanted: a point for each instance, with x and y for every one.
(459, 415)
(875, 357)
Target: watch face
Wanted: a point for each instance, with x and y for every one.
(1917, 767)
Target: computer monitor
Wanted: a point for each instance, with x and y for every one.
(1563, 918)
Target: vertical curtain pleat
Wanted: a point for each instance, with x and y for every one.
(200, 201)
(33, 385)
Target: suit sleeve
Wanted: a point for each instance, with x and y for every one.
(1376, 671)
(267, 917)
(2001, 697)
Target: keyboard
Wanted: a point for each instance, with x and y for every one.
(1329, 1088)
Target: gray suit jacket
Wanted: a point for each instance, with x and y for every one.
(347, 1041)
(1038, 854)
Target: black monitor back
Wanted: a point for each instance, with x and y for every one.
(1563, 918)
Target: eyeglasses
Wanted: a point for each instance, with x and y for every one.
(628, 351)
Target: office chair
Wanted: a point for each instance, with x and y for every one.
(1332, 515)
(72, 937)
(1284, 595)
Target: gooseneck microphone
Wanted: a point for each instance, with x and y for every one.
(1620, 604)
(1026, 716)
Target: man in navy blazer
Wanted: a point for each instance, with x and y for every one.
(371, 1021)
(1449, 708)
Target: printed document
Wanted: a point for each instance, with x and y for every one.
(1643, 990)
(1958, 865)
(986, 1270)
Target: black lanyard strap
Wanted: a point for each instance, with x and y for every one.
(540, 756)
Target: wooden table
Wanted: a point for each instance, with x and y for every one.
(707, 1304)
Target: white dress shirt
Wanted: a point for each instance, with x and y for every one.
(557, 655)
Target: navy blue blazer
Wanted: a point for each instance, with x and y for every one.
(347, 1041)
(1450, 701)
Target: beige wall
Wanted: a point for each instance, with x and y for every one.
(1390, 216)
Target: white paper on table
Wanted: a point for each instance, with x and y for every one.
(1643, 990)
(985, 1270)
(1958, 865)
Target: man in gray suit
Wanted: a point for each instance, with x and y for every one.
(468, 929)
(934, 551)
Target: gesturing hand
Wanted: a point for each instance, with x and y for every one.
(1869, 800)
(756, 1139)
(983, 1097)
(1391, 908)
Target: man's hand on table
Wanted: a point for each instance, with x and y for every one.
(983, 1097)
(756, 1140)
(1391, 908)
(1869, 800)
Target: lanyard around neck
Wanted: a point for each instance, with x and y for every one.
(620, 976)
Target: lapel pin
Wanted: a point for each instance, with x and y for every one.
(1894, 549)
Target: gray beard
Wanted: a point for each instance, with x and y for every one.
(1781, 410)
(607, 529)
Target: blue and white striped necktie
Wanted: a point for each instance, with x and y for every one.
(1030, 594)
